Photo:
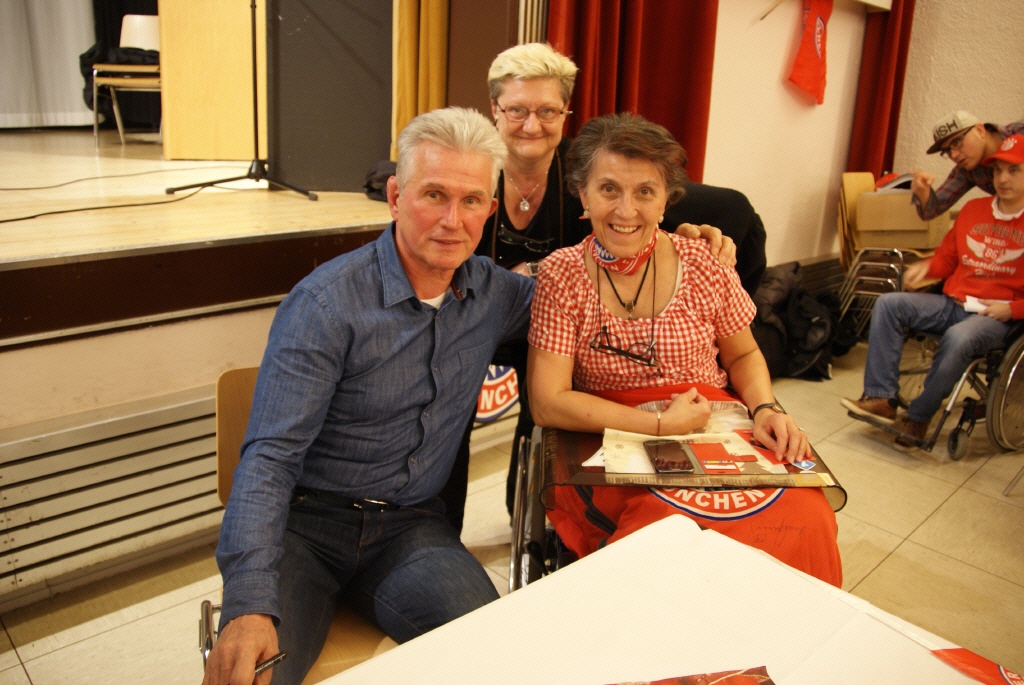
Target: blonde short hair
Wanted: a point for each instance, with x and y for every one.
(456, 128)
(531, 61)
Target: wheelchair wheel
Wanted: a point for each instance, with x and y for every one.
(526, 558)
(957, 444)
(1005, 407)
(918, 353)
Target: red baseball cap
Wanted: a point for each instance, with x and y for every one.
(1010, 150)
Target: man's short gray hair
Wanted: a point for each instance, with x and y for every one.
(456, 128)
(531, 61)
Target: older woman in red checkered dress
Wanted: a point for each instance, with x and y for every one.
(639, 330)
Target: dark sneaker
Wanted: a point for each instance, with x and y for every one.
(913, 433)
(880, 408)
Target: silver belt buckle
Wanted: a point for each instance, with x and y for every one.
(371, 504)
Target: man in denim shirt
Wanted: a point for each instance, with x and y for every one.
(372, 364)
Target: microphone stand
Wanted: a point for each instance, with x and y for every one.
(258, 167)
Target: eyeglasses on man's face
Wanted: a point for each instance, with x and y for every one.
(640, 353)
(954, 144)
(546, 115)
(512, 238)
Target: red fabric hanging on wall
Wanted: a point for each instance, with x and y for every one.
(650, 57)
(808, 71)
(880, 88)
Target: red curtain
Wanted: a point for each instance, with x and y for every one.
(880, 89)
(650, 57)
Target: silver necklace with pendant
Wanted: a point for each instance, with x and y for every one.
(524, 204)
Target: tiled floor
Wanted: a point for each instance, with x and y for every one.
(926, 538)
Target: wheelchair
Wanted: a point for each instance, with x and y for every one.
(533, 551)
(997, 381)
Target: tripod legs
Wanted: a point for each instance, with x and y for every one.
(257, 172)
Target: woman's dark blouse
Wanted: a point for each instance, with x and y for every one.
(556, 224)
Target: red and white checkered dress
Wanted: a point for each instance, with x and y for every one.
(795, 525)
(709, 304)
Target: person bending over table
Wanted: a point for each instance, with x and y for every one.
(530, 87)
(627, 332)
(372, 364)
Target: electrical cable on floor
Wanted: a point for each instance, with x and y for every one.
(87, 209)
(138, 173)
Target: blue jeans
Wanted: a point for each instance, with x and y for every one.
(404, 568)
(964, 337)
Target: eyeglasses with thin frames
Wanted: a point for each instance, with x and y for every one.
(511, 238)
(954, 144)
(640, 353)
(546, 115)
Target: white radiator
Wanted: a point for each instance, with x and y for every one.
(88, 493)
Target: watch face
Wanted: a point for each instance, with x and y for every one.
(774, 406)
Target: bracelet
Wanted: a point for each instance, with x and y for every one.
(659, 423)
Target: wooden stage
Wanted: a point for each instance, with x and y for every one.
(138, 254)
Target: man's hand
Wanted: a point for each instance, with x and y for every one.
(1000, 311)
(521, 268)
(915, 274)
(722, 246)
(245, 641)
(921, 186)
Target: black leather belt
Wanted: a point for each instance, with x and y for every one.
(343, 502)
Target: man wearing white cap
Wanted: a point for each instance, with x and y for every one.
(981, 261)
(966, 141)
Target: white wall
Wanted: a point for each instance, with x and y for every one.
(787, 154)
(769, 139)
(963, 55)
(75, 375)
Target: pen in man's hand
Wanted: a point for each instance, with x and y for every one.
(276, 659)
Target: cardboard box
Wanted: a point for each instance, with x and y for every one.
(902, 240)
(889, 219)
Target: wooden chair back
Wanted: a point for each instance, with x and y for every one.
(233, 400)
(351, 638)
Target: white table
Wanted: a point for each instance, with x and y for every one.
(667, 601)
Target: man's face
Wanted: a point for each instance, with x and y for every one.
(440, 213)
(967, 148)
(1009, 183)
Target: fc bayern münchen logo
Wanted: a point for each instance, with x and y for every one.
(722, 505)
(499, 393)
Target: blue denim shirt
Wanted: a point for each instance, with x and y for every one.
(363, 391)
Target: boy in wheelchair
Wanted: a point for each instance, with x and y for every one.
(982, 263)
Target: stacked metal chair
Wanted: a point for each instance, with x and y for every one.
(873, 272)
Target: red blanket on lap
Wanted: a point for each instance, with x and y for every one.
(795, 525)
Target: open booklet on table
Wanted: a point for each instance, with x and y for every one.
(722, 455)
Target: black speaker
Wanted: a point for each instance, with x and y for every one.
(328, 91)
